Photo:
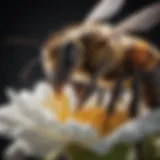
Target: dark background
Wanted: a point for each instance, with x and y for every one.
(34, 20)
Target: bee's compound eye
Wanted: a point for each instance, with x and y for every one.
(69, 53)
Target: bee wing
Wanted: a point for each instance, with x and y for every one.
(143, 20)
(104, 9)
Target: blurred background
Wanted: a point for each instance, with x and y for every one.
(26, 24)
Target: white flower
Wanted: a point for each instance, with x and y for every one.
(37, 131)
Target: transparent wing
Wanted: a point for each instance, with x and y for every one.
(104, 9)
(140, 21)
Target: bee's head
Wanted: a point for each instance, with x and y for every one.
(60, 57)
(69, 50)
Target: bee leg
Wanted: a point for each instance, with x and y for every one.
(100, 98)
(92, 85)
(86, 93)
(115, 95)
(79, 89)
(136, 89)
(116, 92)
(133, 111)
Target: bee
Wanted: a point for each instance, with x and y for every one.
(108, 51)
(111, 52)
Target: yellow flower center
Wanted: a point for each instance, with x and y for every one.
(96, 116)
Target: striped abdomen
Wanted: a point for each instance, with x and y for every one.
(147, 60)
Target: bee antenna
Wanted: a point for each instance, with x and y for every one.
(28, 68)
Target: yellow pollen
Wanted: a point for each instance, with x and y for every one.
(94, 115)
